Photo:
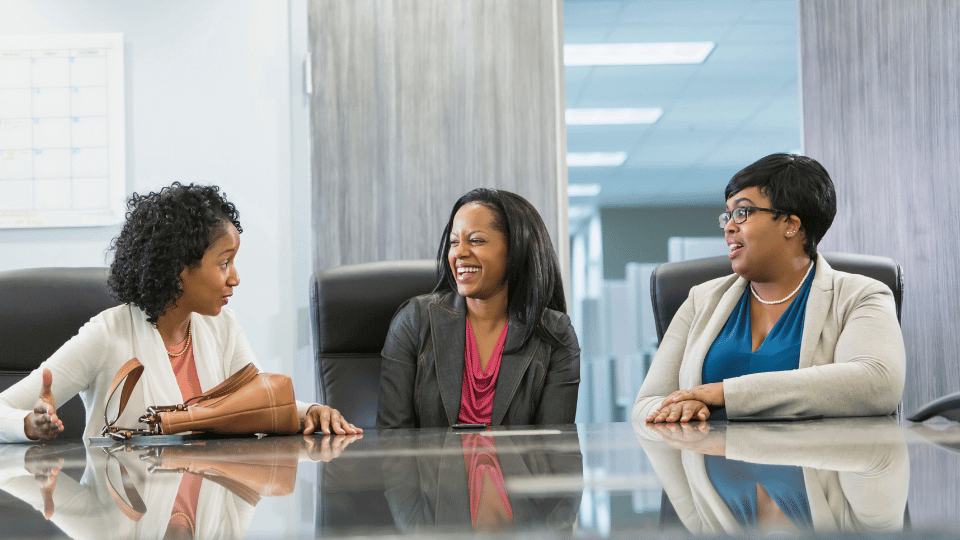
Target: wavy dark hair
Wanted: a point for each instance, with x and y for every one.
(797, 185)
(533, 273)
(165, 232)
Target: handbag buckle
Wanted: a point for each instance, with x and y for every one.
(152, 418)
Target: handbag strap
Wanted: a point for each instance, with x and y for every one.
(129, 375)
(136, 508)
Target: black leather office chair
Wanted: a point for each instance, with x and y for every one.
(40, 309)
(670, 283)
(352, 309)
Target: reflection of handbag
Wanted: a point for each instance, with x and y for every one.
(246, 402)
(248, 468)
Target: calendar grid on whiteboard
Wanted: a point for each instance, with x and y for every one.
(62, 151)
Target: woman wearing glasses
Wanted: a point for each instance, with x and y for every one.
(786, 335)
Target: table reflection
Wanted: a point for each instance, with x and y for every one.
(200, 489)
(476, 481)
(781, 477)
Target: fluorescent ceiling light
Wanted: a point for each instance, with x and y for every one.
(636, 54)
(578, 212)
(583, 190)
(596, 159)
(588, 117)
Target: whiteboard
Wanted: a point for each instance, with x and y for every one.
(62, 151)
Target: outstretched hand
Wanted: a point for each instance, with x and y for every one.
(328, 420)
(42, 422)
(44, 469)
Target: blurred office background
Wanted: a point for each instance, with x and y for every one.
(665, 102)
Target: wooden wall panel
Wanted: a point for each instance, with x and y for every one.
(881, 111)
(414, 103)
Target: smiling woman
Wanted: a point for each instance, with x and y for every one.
(492, 345)
(785, 335)
(174, 271)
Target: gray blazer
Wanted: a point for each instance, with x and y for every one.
(421, 373)
(852, 358)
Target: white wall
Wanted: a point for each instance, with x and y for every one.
(214, 95)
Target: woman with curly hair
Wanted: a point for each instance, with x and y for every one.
(492, 344)
(174, 272)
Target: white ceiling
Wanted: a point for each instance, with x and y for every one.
(741, 104)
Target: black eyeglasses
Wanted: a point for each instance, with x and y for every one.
(740, 214)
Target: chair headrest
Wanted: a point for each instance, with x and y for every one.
(42, 308)
(670, 283)
(353, 304)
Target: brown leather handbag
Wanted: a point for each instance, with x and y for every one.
(245, 403)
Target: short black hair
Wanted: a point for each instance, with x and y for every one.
(533, 272)
(797, 185)
(164, 233)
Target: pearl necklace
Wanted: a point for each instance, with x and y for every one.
(789, 296)
(187, 342)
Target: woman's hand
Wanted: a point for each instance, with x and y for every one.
(328, 420)
(696, 436)
(683, 411)
(44, 469)
(329, 447)
(709, 394)
(42, 422)
(682, 405)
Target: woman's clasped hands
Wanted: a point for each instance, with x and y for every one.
(689, 404)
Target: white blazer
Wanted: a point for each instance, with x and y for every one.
(87, 363)
(852, 358)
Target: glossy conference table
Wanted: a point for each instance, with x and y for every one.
(853, 478)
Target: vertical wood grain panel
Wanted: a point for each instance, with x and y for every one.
(418, 101)
(881, 111)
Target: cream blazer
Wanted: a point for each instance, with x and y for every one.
(87, 363)
(850, 486)
(852, 358)
(86, 509)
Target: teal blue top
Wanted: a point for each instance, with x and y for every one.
(736, 482)
(731, 354)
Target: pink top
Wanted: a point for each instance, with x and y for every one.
(489, 503)
(186, 371)
(183, 517)
(476, 396)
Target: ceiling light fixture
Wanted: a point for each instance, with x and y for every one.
(596, 159)
(589, 117)
(583, 190)
(636, 54)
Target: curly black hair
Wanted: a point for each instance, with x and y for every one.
(165, 232)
